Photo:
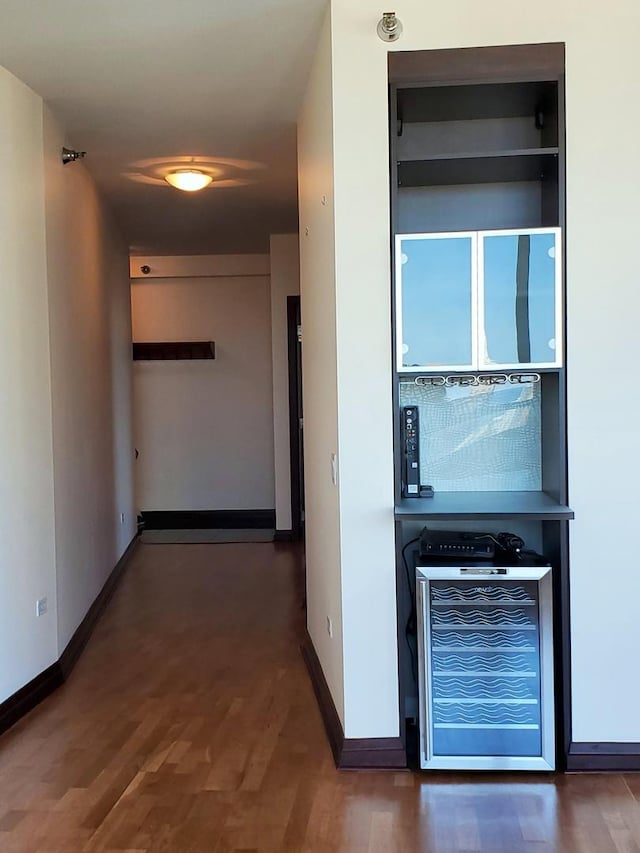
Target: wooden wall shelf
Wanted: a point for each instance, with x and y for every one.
(174, 351)
(474, 168)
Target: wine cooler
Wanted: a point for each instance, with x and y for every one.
(485, 658)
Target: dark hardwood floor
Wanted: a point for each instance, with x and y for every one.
(189, 724)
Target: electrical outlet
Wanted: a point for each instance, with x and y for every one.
(329, 627)
(41, 606)
(121, 518)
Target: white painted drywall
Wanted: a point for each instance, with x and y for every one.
(90, 331)
(603, 177)
(28, 645)
(319, 367)
(204, 428)
(285, 281)
(198, 266)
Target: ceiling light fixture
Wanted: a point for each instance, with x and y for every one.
(188, 180)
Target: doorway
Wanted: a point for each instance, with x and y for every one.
(296, 417)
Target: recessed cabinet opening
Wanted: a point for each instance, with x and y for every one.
(478, 346)
(477, 157)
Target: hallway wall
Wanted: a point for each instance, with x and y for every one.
(65, 391)
(319, 369)
(28, 644)
(205, 428)
(90, 330)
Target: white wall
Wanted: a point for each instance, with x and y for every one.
(90, 329)
(319, 368)
(65, 391)
(198, 266)
(27, 557)
(205, 428)
(603, 175)
(285, 281)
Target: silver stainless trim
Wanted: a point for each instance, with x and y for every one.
(545, 761)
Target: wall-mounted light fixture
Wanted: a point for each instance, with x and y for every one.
(188, 180)
(389, 27)
(70, 156)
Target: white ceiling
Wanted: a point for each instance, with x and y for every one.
(140, 80)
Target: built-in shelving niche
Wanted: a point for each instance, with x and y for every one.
(477, 157)
(477, 144)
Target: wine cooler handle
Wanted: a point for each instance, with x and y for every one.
(488, 571)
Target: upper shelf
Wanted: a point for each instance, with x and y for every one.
(483, 506)
(477, 101)
(529, 164)
(174, 350)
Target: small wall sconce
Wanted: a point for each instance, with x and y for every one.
(389, 27)
(70, 156)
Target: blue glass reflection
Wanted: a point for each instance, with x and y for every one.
(519, 322)
(436, 302)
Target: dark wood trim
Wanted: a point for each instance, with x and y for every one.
(373, 754)
(44, 684)
(218, 519)
(332, 724)
(284, 536)
(349, 753)
(510, 63)
(80, 638)
(174, 351)
(293, 317)
(603, 757)
(25, 699)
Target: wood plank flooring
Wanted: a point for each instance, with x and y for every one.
(189, 724)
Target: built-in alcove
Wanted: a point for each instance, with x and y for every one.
(477, 138)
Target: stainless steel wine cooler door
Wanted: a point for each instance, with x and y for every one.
(486, 668)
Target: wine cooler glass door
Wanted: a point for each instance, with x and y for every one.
(486, 669)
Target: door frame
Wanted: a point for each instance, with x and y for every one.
(295, 401)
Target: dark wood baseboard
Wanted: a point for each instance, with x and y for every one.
(284, 536)
(216, 519)
(350, 753)
(603, 757)
(26, 699)
(80, 638)
(382, 753)
(330, 718)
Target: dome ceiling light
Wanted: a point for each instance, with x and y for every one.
(193, 173)
(188, 180)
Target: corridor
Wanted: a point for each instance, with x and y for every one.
(189, 724)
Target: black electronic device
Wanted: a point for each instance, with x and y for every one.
(410, 431)
(470, 545)
(450, 543)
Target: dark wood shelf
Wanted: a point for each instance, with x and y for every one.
(476, 101)
(174, 351)
(522, 164)
(483, 506)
